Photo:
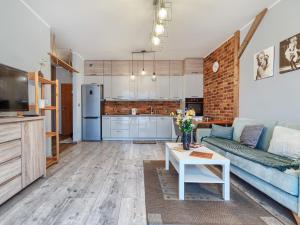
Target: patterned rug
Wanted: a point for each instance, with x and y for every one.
(203, 204)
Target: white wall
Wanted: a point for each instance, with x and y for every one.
(24, 43)
(78, 80)
(275, 98)
(63, 77)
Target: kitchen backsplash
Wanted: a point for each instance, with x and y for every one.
(143, 107)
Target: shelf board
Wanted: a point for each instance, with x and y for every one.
(50, 161)
(50, 134)
(49, 108)
(57, 61)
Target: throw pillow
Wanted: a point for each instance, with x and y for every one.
(285, 142)
(251, 134)
(221, 132)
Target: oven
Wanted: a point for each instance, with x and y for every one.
(196, 104)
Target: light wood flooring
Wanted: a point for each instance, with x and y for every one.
(95, 183)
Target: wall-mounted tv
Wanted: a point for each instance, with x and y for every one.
(13, 89)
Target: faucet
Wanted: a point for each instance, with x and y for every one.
(151, 110)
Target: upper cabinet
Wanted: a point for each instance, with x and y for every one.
(193, 86)
(121, 67)
(107, 67)
(162, 67)
(120, 87)
(176, 67)
(93, 67)
(193, 66)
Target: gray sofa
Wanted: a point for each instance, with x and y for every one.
(282, 186)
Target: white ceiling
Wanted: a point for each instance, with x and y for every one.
(111, 29)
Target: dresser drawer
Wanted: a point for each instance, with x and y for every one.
(10, 169)
(9, 132)
(10, 150)
(10, 188)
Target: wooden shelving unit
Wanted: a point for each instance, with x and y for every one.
(40, 81)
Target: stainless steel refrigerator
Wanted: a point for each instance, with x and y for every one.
(92, 107)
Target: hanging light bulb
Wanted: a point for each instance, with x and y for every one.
(153, 77)
(143, 72)
(162, 13)
(159, 29)
(132, 77)
(155, 40)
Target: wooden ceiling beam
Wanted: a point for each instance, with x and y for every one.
(251, 31)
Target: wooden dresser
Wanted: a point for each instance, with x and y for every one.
(22, 154)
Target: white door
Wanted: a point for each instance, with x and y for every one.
(107, 86)
(120, 87)
(193, 86)
(163, 87)
(164, 127)
(176, 87)
(93, 79)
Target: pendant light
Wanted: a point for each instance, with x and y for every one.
(159, 29)
(154, 68)
(143, 71)
(155, 40)
(162, 13)
(132, 77)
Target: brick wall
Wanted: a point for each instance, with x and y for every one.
(219, 94)
(124, 107)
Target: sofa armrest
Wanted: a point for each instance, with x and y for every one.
(201, 133)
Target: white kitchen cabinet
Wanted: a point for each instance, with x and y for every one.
(120, 87)
(147, 127)
(93, 79)
(176, 87)
(146, 88)
(163, 87)
(119, 127)
(107, 86)
(164, 127)
(133, 127)
(193, 86)
(106, 127)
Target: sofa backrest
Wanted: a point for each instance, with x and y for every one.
(264, 141)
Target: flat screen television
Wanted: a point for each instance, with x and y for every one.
(13, 89)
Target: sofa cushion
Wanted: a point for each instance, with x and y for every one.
(264, 158)
(265, 138)
(251, 134)
(285, 142)
(221, 132)
(286, 181)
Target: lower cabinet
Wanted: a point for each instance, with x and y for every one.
(147, 127)
(136, 127)
(164, 127)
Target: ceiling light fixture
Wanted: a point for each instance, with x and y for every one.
(154, 68)
(143, 71)
(159, 29)
(162, 13)
(132, 77)
(155, 40)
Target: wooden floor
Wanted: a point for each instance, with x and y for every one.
(94, 183)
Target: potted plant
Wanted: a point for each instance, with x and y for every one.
(185, 123)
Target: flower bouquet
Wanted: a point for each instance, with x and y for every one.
(185, 123)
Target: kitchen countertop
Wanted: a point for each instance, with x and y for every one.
(139, 115)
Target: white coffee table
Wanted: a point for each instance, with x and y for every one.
(193, 170)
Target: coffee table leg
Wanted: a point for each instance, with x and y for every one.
(226, 185)
(167, 160)
(181, 181)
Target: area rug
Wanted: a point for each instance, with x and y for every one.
(203, 204)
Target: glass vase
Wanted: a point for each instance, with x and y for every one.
(186, 141)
